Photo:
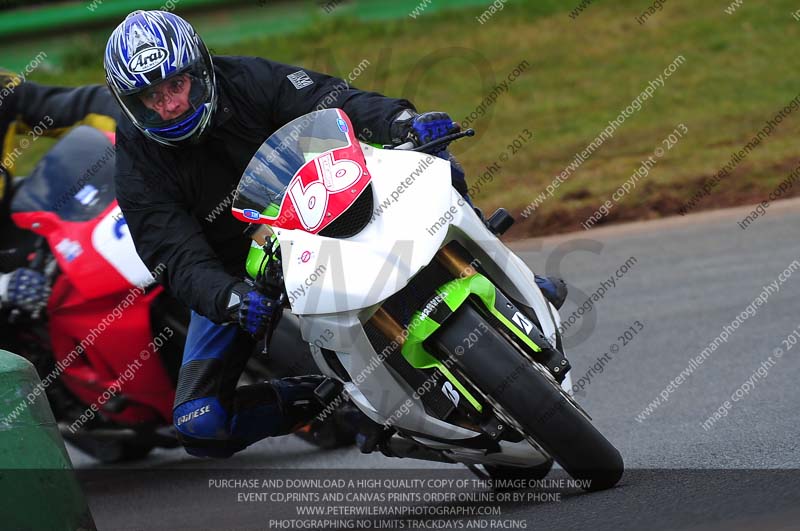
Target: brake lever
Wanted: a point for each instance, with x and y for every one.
(424, 148)
(409, 146)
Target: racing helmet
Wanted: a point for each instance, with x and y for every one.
(153, 57)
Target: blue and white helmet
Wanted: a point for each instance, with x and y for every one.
(148, 48)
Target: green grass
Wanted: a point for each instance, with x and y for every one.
(739, 71)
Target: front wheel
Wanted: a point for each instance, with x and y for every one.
(529, 474)
(531, 399)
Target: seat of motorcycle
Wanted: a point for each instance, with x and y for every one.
(74, 179)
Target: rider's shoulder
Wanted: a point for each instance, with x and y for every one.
(243, 67)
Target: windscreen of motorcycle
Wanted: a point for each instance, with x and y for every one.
(75, 179)
(304, 176)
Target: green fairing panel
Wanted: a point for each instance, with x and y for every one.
(483, 288)
(255, 256)
(421, 327)
(454, 293)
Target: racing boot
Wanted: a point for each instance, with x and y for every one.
(296, 399)
(267, 409)
(554, 289)
(372, 436)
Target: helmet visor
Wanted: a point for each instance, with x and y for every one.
(172, 101)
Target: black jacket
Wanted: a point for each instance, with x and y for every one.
(177, 200)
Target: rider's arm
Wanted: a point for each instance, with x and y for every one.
(50, 110)
(56, 108)
(289, 92)
(169, 238)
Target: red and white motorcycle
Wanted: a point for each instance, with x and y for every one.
(109, 346)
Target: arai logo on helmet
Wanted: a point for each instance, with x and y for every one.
(147, 60)
(249, 213)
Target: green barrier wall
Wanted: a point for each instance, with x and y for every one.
(44, 19)
(38, 488)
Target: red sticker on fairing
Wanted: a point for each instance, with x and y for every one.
(325, 187)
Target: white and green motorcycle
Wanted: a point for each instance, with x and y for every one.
(434, 329)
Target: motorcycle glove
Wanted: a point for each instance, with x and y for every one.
(25, 289)
(431, 126)
(253, 310)
(422, 128)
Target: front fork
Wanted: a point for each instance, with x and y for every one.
(524, 330)
(521, 329)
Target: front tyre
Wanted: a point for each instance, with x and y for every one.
(530, 398)
(529, 474)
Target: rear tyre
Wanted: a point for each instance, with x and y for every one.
(534, 401)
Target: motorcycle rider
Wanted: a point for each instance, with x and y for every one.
(190, 127)
(26, 103)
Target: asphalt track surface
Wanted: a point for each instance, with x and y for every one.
(691, 277)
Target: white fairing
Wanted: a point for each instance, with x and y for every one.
(401, 239)
(379, 261)
(416, 211)
(112, 240)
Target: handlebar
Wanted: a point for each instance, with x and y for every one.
(444, 140)
(424, 148)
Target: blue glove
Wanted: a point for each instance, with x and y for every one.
(430, 126)
(421, 128)
(25, 289)
(256, 311)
